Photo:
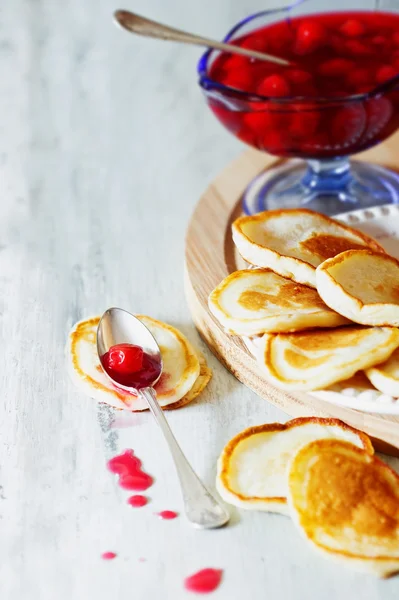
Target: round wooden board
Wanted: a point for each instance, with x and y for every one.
(211, 256)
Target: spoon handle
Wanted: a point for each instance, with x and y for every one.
(202, 509)
(142, 26)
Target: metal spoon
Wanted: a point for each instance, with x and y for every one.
(142, 26)
(117, 326)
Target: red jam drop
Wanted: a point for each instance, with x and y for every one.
(137, 501)
(167, 515)
(131, 475)
(108, 555)
(125, 358)
(204, 581)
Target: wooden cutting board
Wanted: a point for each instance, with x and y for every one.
(211, 256)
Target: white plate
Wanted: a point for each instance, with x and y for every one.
(382, 223)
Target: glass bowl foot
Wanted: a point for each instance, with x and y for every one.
(330, 187)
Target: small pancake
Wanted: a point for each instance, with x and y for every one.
(185, 372)
(314, 360)
(254, 301)
(293, 242)
(252, 469)
(361, 285)
(346, 502)
(385, 376)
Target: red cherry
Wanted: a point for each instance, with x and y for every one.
(310, 35)
(125, 358)
(385, 73)
(274, 86)
(260, 121)
(352, 28)
(357, 48)
(335, 67)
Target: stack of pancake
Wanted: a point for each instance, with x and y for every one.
(322, 473)
(323, 296)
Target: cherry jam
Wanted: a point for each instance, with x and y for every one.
(130, 366)
(333, 56)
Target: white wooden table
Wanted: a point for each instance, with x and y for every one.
(105, 146)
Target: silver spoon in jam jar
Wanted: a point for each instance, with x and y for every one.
(119, 327)
(148, 28)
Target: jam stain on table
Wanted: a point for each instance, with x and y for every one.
(131, 476)
(204, 581)
(137, 501)
(167, 515)
(108, 555)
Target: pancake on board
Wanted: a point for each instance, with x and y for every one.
(346, 503)
(252, 469)
(293, 242)
(185, 372)
(254, 301)
(385, 376)
(314, 360)
(361, 285)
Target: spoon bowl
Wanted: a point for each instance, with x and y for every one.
(117, 326)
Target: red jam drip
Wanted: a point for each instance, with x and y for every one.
(137, 501)
(167, 515)
(108, 555)
(131, 475)
(130, 366)
(204, 581)
(332, 55)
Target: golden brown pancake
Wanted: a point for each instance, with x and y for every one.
(293, 242)
(255, 301)
(252, 467)
(362, 285)
(346, 502)
(316, 359)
